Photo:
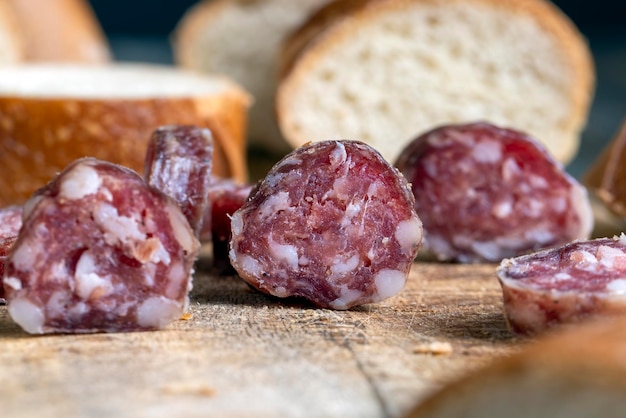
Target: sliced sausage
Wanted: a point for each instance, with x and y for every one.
(99, 250)
(10, 224)
(332, 222)
(225, 197)
(565, 284)
(486, 193)
(178, 162)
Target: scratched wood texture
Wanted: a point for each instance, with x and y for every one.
(243, 354)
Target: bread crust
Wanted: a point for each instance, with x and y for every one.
(40, 136)
(563, 365)
(338, 20)
(60, 31)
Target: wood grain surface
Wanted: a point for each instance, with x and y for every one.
(243, 354)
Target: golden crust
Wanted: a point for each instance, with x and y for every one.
(60, 30)
(569, 363)
(335, 22)
(39, 137)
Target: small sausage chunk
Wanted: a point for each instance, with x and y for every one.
(225, 197)
(332, 222)
(10, 224)
(486, 193)
(179, 162)
(99, 250)
(565, 284)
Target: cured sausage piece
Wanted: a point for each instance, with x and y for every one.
(486, 193)
(332, 222)
(178, 162)
(564, 284)
(10, 224)
(225, 197)
(99, 250)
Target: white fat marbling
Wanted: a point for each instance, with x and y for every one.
(12, 282)
(250, 265)
(27, 315)
(611, 257)
(284, 252)
(117, 228)
(182, 231)
(347, 297)
(176, 277)
(510, 169)
(342, 265)
(409, 234)
(561, 276)
(87, 280)
(25, 255)
(487, 152)
(275, 203)
(56, 307)
(151, 251)
(157, 312)
(338, 155)
(236, 224)
(389, 282)
(502, 209)
(79, 182)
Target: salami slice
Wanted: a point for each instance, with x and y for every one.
(486, 193)
(565, 284)
(225, 197)
(99, 250)
(10, 224)
(332, 222)
(178, 162)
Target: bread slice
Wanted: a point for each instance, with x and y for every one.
(51, 115)
(11, 43)
(578, 373)
(384, 71)
(242, 38)
(60, 31)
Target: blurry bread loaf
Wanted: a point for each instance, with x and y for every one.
(577, 373)
(60, 31)
(51, 115)
(11, 44)
(242, 38)
(384, 71)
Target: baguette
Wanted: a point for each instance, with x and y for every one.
(384, 71)
(60, 31)
(242, 38)
(51, 115)
(577, 373)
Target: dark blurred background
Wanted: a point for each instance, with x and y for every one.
(139, 30)
(157, 18)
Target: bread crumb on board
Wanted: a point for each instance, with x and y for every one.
(435, 348)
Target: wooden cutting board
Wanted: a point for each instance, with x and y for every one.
(244, 354)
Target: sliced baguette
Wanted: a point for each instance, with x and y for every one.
(60, 31)
(242, 38)
(577, 373)
(51, 115)
(383, 71)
